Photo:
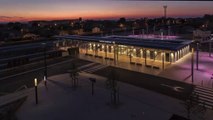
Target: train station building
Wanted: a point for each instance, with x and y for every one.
(156, 53)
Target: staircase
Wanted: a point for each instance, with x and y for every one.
(205, 96)
(93, 67)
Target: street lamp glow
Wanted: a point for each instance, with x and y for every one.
(45, 78)
(172, 55)
(35, 82)
(121, 25)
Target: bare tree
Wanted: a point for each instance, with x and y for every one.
(192, 105)
(74, 75)
(112, 85)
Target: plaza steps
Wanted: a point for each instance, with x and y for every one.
(87, 66)
(94, 68)
(205, 96)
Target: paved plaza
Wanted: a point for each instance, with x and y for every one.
(61, 101)
(180, 70)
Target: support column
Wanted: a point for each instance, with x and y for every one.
(130, 55)
(105, 49)
(96, 50)
(163, 55)
(93, 49)
(178, 55)
(117, 46)
(86, 48)
(172, 57)
(141, 52)
(155, 54)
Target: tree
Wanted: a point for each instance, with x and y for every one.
(112, 85)
(74, 75)
(122, 20)
(192, 105)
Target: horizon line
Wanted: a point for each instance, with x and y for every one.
(95, 18)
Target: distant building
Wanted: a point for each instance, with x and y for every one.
(201, 35)
(30, 36)
(78, 31)
(96, 30)
(52, 23)
(63, 32)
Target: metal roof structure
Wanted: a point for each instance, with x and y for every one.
(164, 44)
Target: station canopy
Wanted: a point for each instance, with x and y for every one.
(164, 44)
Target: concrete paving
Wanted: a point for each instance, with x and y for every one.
(61, 102)
(180, 70)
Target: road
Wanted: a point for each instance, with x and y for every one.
(154, 83)
(13, 79)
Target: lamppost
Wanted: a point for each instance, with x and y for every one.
(133, 27)
(102, 33)
(45, 64)
(192, 65)
(93, 80)
(165, 7)
(36, 90)
(169, 30)
(125, 31)
(211, 80)
(154, 29)
(197, 55)
(133, 30)
(114, 50)
(143, 32)
(210, 46)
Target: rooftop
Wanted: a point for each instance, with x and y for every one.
(165, 44)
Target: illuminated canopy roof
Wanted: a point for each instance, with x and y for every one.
(164, 44)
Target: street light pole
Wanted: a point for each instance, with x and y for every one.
(210, 47)
(211, 80)
(93, 80)
(114, 50)
(36, 90)
(192, 65)
(133, 31)
(45, 64)
(197, 58)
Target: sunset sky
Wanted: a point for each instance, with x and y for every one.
(23, 10)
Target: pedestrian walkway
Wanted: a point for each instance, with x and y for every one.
(14, 96)
(124, 65)
(94, 68)
(205, 96)
(180, 70)
(61, 102)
